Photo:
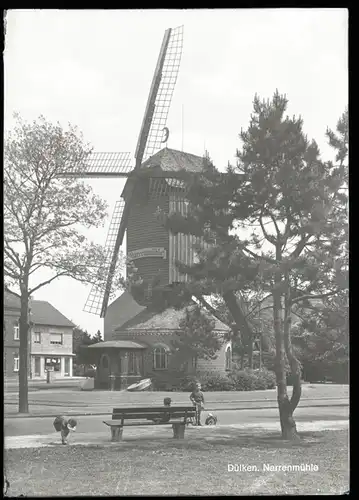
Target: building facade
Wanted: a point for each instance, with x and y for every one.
(141, 346)
(12, 334)
(50, 339)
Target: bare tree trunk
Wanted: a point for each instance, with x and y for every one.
(287, 423)
(23, 354)
(242, 325)
(250, 354)
(242, 359)
(294, 364)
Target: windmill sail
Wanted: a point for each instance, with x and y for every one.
(154, 121)
(103, 165)
(163, 100)
(94, 300)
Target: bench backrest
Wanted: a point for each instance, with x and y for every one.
(152, 412)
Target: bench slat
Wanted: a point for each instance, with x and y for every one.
(136, 416)
(111, 423)
(151, 409)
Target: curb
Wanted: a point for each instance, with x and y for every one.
(26, 415)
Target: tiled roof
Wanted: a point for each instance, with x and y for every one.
(126, 309)
(121, 344)
(164, 321)
(170, 160)
(43, 313)
(11, 299)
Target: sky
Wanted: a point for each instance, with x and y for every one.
(94, 68)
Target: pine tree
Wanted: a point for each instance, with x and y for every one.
(197, 339)
(98, 337)
(275, 224)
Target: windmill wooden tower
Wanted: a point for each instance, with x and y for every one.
(151, 184)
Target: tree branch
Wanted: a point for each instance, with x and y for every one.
(279, 234)
(259, 257)
(267, 236)
(258, 303)
(300, 247)
(64, 273)
(10, 252)
(211, 309)
(319, 296)
(10, 272)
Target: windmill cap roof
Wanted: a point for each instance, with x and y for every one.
(174, 160)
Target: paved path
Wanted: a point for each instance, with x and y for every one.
(37, 432)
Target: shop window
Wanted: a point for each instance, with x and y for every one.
(67, 367)
(37, 366)
(53, 364)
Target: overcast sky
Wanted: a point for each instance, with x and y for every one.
(94, 68)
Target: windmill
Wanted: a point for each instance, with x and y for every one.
(153, 134)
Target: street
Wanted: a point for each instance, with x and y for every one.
(93, 423)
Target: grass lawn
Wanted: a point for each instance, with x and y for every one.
(198, 467)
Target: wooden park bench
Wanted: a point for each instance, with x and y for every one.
(164, 415)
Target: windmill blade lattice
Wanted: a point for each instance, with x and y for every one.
(165, 91)
(94, 301)
(104, 164)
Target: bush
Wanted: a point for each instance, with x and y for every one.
(168, 380)
(253, 380)
(215, 382)
(238, 380)
(322, 371)
(84, 371)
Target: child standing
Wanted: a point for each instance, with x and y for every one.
(64, 426)
(197, 399)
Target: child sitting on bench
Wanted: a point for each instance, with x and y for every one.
(166, 416)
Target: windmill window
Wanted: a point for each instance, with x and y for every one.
(160, 358)
(228, 358)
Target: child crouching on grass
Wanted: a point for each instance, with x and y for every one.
(197, 399)
(65, 426)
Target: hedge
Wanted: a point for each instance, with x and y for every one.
(237, 380)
